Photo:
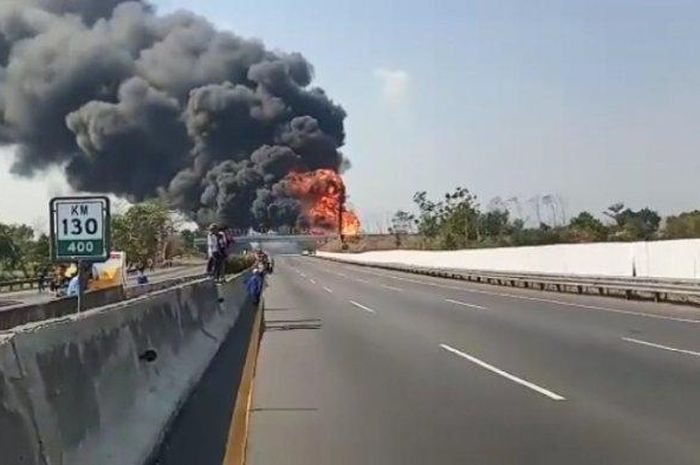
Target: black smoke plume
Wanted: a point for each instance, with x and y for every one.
(141, 105)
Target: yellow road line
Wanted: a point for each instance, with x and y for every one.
(238, 431)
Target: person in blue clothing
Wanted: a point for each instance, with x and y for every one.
(89, 274)
(254, 285)
(73, 286)
(141, 278)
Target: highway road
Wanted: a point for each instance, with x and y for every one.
(364, 366)
(33, 296)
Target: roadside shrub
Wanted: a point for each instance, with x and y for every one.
(238, 263)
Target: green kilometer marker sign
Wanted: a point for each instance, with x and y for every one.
(80, 229)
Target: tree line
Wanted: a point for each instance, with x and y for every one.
(457, 221)
(148, 232)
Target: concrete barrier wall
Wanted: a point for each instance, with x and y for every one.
(661, 259)
(87, 387)
(19, 443)
(23, 314)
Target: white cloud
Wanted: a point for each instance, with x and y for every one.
(25, 200)
(395, 83)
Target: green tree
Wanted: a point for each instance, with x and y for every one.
(684, 226)
(39, 252)
(494, 224)
(458, 217)
(402, 222)
(427, 222)
(188, 237)
(10, 256)
(614, 212)
(143, 232)
(20, 251)
(16, 247)
(631, 225)
(453, 221)
(586, 228)
(639, 225)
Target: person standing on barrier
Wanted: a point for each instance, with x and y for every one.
(223, 246)
(212, 250)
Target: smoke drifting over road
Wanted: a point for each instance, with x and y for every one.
(140, 104)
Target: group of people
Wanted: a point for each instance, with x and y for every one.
(219, 241)
(69, 281)
(58, 278)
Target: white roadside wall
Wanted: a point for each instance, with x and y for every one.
(660, 259)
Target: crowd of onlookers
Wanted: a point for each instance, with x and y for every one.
(219, 242)
(62, 279)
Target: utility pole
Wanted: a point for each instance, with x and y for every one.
(341, 207)
(81, 286)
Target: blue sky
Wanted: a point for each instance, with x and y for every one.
(594, 101)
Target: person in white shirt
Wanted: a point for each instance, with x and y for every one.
(73, 286)
(213, 251)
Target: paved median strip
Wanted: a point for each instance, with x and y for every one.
(539, 389)
(465, 304)
(362, 307)
(662, 347)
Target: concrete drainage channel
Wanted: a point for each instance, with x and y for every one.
(293, 325)
(103, 387)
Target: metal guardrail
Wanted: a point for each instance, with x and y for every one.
(656, 289)
(19, 284)
(28, 284)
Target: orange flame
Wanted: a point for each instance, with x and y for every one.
(322, 196)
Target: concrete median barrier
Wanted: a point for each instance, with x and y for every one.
(19, 444)
(101, 387)
(18, 315)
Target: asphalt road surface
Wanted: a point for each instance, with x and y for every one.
(33, 296)
(364, 366)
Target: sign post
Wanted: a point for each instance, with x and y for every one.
(80, 233)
